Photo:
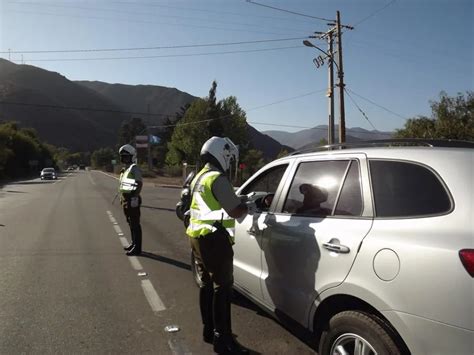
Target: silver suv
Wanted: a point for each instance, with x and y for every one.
(369, 248)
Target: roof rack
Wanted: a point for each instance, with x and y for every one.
(446, 143)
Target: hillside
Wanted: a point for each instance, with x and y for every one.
(269, 146)
(313, 135)
(85, 115)
(142, 98)
(29, 86)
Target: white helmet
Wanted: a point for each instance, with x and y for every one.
(222, 149)
(127, 149)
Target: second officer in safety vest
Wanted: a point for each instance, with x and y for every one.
(211, 230)
(130, 187)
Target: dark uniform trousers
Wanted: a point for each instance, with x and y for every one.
(214, 263)
(133, 218)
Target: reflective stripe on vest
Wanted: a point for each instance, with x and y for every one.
(127, 181)
(205, 209)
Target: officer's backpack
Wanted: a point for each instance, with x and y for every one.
(184, 204)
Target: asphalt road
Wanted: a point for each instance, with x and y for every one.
(66, 285)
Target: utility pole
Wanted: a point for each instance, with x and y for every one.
(149, 139)
(330, 93)
(334, 31)
(340, 75)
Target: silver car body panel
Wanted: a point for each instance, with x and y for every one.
(407, 268)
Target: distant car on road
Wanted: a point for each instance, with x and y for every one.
(48, 173)
(82, 167)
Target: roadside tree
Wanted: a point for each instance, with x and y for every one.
(451, 118)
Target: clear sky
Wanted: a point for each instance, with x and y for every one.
(398, 58)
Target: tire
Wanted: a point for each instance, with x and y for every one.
(196, 276)
(350, 327)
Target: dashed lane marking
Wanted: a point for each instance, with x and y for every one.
(177, 347)
(135, 263)
(124, 241)
(150, 293)
(153, 299)
(118, 229)
(92, 180)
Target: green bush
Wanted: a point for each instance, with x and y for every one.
(173, 170)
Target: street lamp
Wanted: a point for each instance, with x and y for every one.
(330, 93)
(309, 44)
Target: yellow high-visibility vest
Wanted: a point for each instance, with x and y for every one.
(205, 209)
(128, 183)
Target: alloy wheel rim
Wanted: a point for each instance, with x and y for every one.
(352, 344)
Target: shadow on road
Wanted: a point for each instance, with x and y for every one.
(166, 260)
(33, 182)
(291, 326)
(158, 208)
(15, 192)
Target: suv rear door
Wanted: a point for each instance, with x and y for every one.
(311, 239)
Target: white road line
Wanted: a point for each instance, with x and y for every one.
(135, 263)
(90, 178)
(177, 347)
(153, 299)
(113, 220)
(117, 229)
(114, 177)
(124, 241)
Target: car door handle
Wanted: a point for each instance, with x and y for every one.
(336, 247)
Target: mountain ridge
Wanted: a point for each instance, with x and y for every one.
(302, 138)
(87, 115)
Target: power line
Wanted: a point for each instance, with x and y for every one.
(205, 10)
(163, 55)
(216, 44)
(376, 104)
(75, 108)
(374, 13)
(288, 11)
(63, 6)
(358, 107)
(228, 116)
(148, 22)
(285, 100)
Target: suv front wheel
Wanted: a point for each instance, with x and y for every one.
(355, 332)
(197, 277)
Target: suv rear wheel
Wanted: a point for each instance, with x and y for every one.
(354, 332)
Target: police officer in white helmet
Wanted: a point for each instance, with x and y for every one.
(130, 187)
(214, 208)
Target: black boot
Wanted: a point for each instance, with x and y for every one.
(130, 247)
(226, 344)
(136, 250)
(207, 334)
(206, 294)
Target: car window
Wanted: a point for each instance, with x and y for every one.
(403, 189)
(265, 186)
(314, 189)
(350, 199)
